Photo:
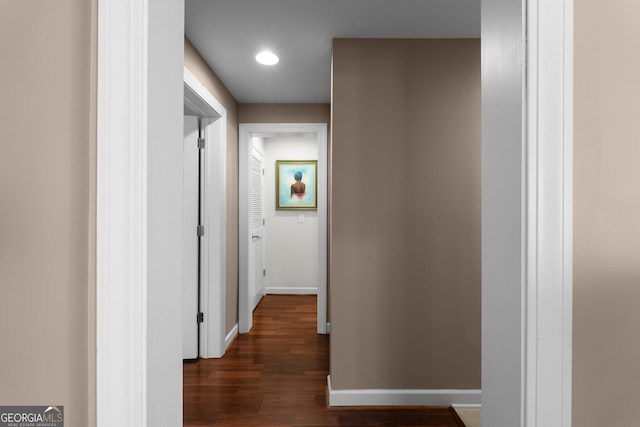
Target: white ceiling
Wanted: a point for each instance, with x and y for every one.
(228, 34)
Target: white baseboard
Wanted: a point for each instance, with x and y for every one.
(230, 336)
(466, 406)
(290, 290)
(391, 397)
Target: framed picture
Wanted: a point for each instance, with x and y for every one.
(297, 185)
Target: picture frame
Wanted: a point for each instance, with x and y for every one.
(297, 185)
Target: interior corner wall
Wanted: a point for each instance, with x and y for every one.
(292, 264)
(606, 342)
(201, 70)
(405, 258)
(47, 218)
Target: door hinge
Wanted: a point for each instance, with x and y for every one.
(200, 317)
(264, 272)
(264, 221)
(200, 230)
(201, 143)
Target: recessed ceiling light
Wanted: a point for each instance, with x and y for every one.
(267, 58)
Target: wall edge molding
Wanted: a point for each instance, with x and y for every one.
(121, 214)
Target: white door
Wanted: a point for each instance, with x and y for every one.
(256, 220)
(190, 252)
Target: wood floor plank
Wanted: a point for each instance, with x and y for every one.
(276, 376)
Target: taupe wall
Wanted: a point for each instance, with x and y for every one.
(405, 261)
(47, 199)
(606, 346)
(197, 65)
(284, 113)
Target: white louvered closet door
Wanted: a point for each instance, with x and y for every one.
(256, 219)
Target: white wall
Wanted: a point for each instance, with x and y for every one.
(502, 215)
(291, 245)
(164, 213)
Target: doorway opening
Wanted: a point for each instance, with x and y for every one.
(123, 369)
(247, 133)
(198, 101)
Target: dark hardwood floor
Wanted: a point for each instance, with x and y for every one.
(277, 375)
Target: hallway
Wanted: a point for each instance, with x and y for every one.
(277, 375)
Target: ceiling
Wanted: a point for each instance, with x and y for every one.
(229, 33)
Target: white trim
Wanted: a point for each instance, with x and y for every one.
(245, 300)
(392, 397)
(566, 392)
(323, 214)
(547, 392)
(205, 103)
(121, 276)
(257, 296)
(231, 336)
(291, 290)
(467, 406)
(246, 131)
(214, 212)
(527, 219)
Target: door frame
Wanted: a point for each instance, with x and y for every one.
(213, 250)
(527, 181)
(246, 132)
(191, 208)
(123, 373)
(549, 216)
